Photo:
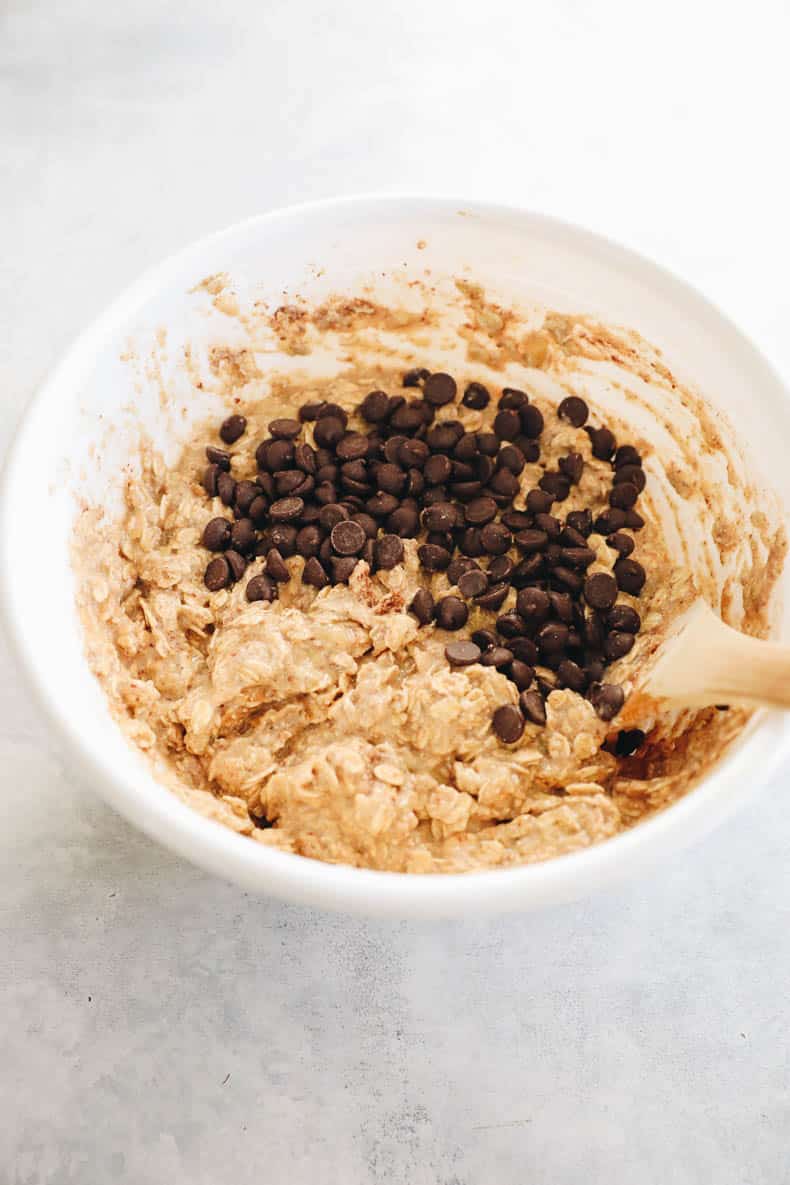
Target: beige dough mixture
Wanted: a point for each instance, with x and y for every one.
(336, 718)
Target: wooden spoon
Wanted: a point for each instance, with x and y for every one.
(707, 662)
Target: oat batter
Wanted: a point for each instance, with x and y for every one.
(328, 722)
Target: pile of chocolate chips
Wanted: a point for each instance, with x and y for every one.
(355, 495)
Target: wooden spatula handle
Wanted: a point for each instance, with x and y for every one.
(708, 662)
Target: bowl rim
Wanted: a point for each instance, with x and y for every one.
(150, 806)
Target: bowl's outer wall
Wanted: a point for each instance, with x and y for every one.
(315, 249)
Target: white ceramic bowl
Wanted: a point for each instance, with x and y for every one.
(518, 252)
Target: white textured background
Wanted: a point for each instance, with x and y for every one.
(158, 1026)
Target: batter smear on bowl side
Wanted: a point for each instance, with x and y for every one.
(396, 617)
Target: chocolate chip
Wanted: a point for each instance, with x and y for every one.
(284, 429)
(218, 457)
(409, 418)
(311, 411)
(511, 397)
(539, 502)
(632, 475)
(342, 567)
(287, 481)
(237, 563)
(533, 604)
(209, 480)
(561, 606)
(382, 504)
(259, 510)
(574, 410)
(335, 411)
(308, 541)
(610, 521)
(279, 535)
(570, 674)
(232, 428)
(218, 574)
(485, 639)
(623, 496)
(533, 707)
(404, 522)
(495, 538)
(328, 431)
(261, 588)
(438, 469)
(465, 451)
(439, 389)
(621, 543)
(278, 455)
(508, 723)
(511, 625)
(416, 377)
(375, 407)
(480, 511)
(413, 454)
(432, 558)
(496, 656)
(470, 542)
(466, 490)
(276, 567)
(529, 449)
(441, 438)
(628, 741)
(314, 573)
(594, 670)
(441, 516)
(600, 590)
(630, 576)
(552, 637)
(352, 447)
(504, 486)
(531, 541)
(451, 613)
(458, 566)
(627, 455)
(388, 551)
(286, 510)
(462, 654)
(531, 421)
(473, 583)
(348, 538)
(494, 598)
(623, 618)
(305, 458)
(422, 606)
(607, 699)
(416, 483)
(577, 557)
(633, 520)
(572, 466)
(216, 534)
(581, 521)
(226, 488)
(603, 443)
(507, 424)
(521, 673)
(488, 443)
(476, 397)
(556, 484)
(242, 536)
(510, 457)
(524, 649)
(500, 569)
(529, 571)
(617, 645)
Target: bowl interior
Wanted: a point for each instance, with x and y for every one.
(85, 422)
